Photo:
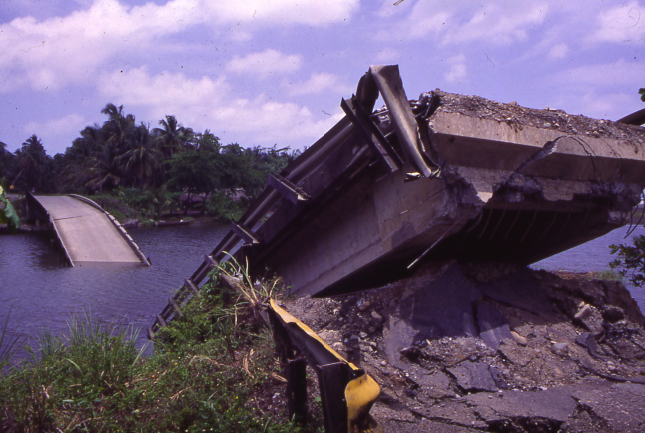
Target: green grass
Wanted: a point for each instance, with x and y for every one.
(9, 342)
(213, 370)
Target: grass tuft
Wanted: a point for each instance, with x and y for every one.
(9, 342)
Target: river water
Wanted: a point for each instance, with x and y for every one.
(595, 256)
(42, 292)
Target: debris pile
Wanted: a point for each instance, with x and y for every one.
(461, 348)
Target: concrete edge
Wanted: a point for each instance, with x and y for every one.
(462, 125)
(117, 225)
(53, 225)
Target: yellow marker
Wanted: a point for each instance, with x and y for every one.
(360, 392)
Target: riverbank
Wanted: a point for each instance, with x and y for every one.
(134, 208)
(215, 368)
(166, 220)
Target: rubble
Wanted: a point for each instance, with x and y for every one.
(494, 347)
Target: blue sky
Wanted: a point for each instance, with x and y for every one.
(265, 72)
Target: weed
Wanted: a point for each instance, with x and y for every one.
(251, 295)
(8, 347)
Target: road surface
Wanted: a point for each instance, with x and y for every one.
(87, 233)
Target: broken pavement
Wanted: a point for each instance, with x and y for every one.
(461, 348)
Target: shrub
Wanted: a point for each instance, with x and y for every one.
(630, 259)
(225, 208)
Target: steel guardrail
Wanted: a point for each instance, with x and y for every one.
(297, 171)
(304, 166)
(347, 392)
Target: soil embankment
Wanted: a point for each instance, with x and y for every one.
(465, 348)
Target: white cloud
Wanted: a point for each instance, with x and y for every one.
(283, 12)
(267, 63)
(389, 8)
(205, 103)
(499, 23)
(386, 55)
(10, 81)
(263, 121)
(71, 123)
(607, 106)
(64, 50)
(619, 73)
(422, 22)
(603, 90)
(559, 51)
(318, 83)
(164, 93)
(458, 70)
(621, 24)
(463, 21)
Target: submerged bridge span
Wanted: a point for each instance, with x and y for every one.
(85, 231)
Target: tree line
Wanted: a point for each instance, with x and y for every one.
(122, 154)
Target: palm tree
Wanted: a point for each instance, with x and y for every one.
(117, 127)
(173, 136)
(159, 199)
(32, 160)
(142, 159)
(3, 154)
(207, 142)
(106, 168)
(79, 159)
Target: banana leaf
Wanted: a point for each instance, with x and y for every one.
(8, 215)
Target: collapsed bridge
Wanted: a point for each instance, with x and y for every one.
(444, 176)
(387, 195)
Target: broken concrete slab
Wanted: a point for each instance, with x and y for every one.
(553, 404)
(515, 354)
(518, 290)
(475, 376)
(424, 425)
(493, 328)
(441, 308)
(454, 411)
(616, 408)
(444, 307)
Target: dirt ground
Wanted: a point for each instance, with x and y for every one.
(466, 348)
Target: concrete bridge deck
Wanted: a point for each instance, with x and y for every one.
(87, 233)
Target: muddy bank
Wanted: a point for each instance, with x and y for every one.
(461, 348)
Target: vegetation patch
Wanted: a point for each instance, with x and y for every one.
(631, 259)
